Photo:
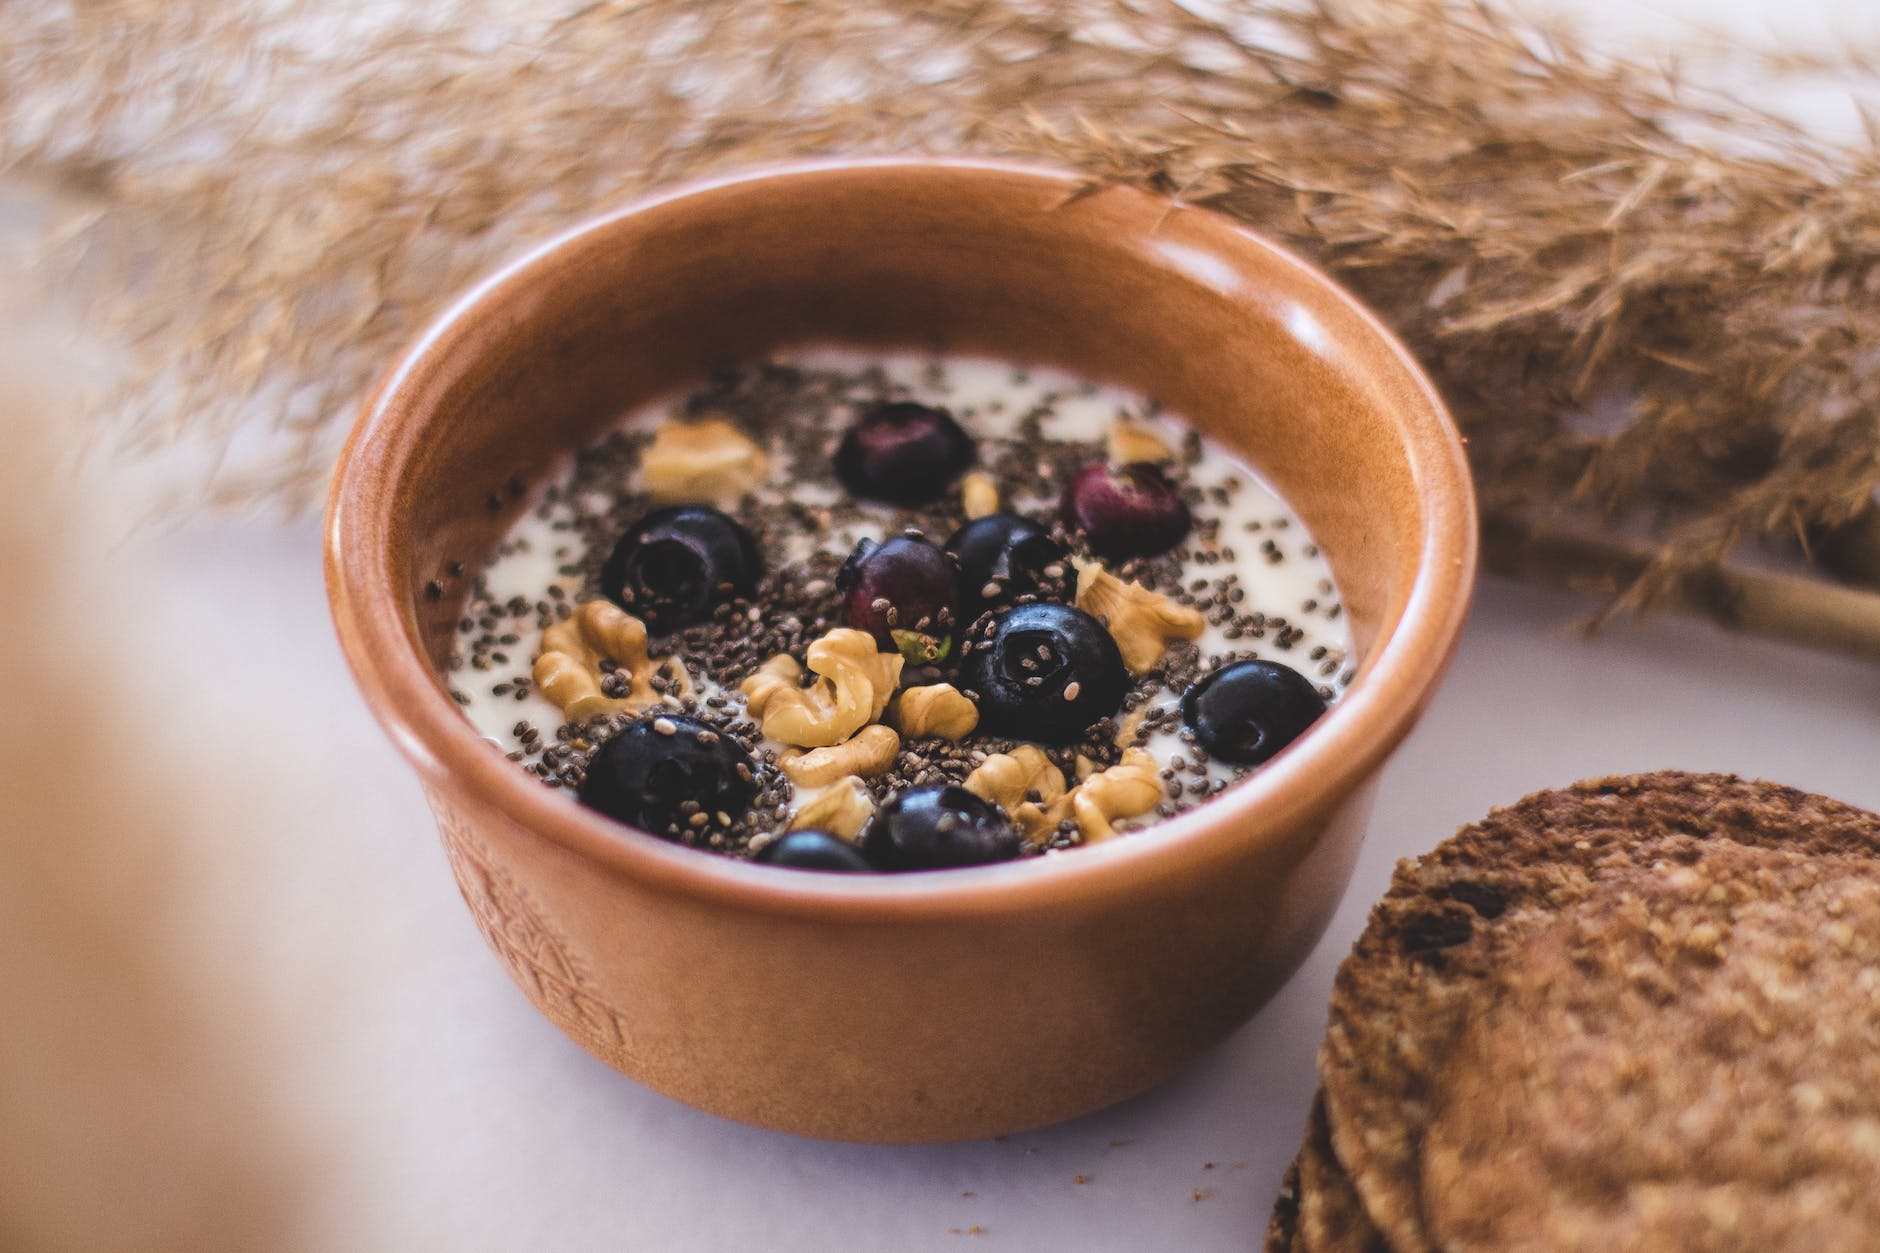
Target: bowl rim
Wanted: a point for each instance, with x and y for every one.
(406, 697)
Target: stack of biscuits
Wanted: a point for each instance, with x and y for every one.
(1639, 1013)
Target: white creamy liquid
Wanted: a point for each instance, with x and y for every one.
(988, 398)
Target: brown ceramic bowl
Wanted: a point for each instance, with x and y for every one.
(953, 1003)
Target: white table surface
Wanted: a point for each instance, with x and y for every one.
(391, 1090)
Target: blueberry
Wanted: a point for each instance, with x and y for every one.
(1046, 673)
(904, 593)
(1131, 511)
(1245, 712)
(645, 775)
(932, 827)
(903, 453)
(813, 850)
(677, 564)
(1006, 550)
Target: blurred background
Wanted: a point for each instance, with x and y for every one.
(245, 1008)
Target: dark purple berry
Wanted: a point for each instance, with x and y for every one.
(903, 593)
(933, 827)
(1046, 673)
(813, 850)
(1245, 712)
(660, 771)
(677, 564)
(903, 453)
(1129, 511)
(1006, 552)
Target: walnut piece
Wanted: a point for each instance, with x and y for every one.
(853, 690)
(1129, 789)
(1126, 790)
(702, 459)
(1010, 779)
(769, 683)
(869, 752)
(844, 809)
(568, 669)
(979, 495)
(1141, 622)
(935, 709)
(1129, 442)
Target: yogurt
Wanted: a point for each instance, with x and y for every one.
(1249, 563)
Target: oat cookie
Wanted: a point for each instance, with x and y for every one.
(1331, 1217)
(1454, 918)
(1282, 1225)
(1689, 1060)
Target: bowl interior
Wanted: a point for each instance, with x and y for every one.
(1234, 335)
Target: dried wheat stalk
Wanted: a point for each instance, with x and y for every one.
(1647, 311)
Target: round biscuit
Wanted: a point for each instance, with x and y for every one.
(1452, 919)
(1688, 1060)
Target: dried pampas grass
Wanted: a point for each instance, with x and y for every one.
(1654, 315)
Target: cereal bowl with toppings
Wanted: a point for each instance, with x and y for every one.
(1059, 567)
(1167, 622)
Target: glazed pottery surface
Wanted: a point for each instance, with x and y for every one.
(954, 1003)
